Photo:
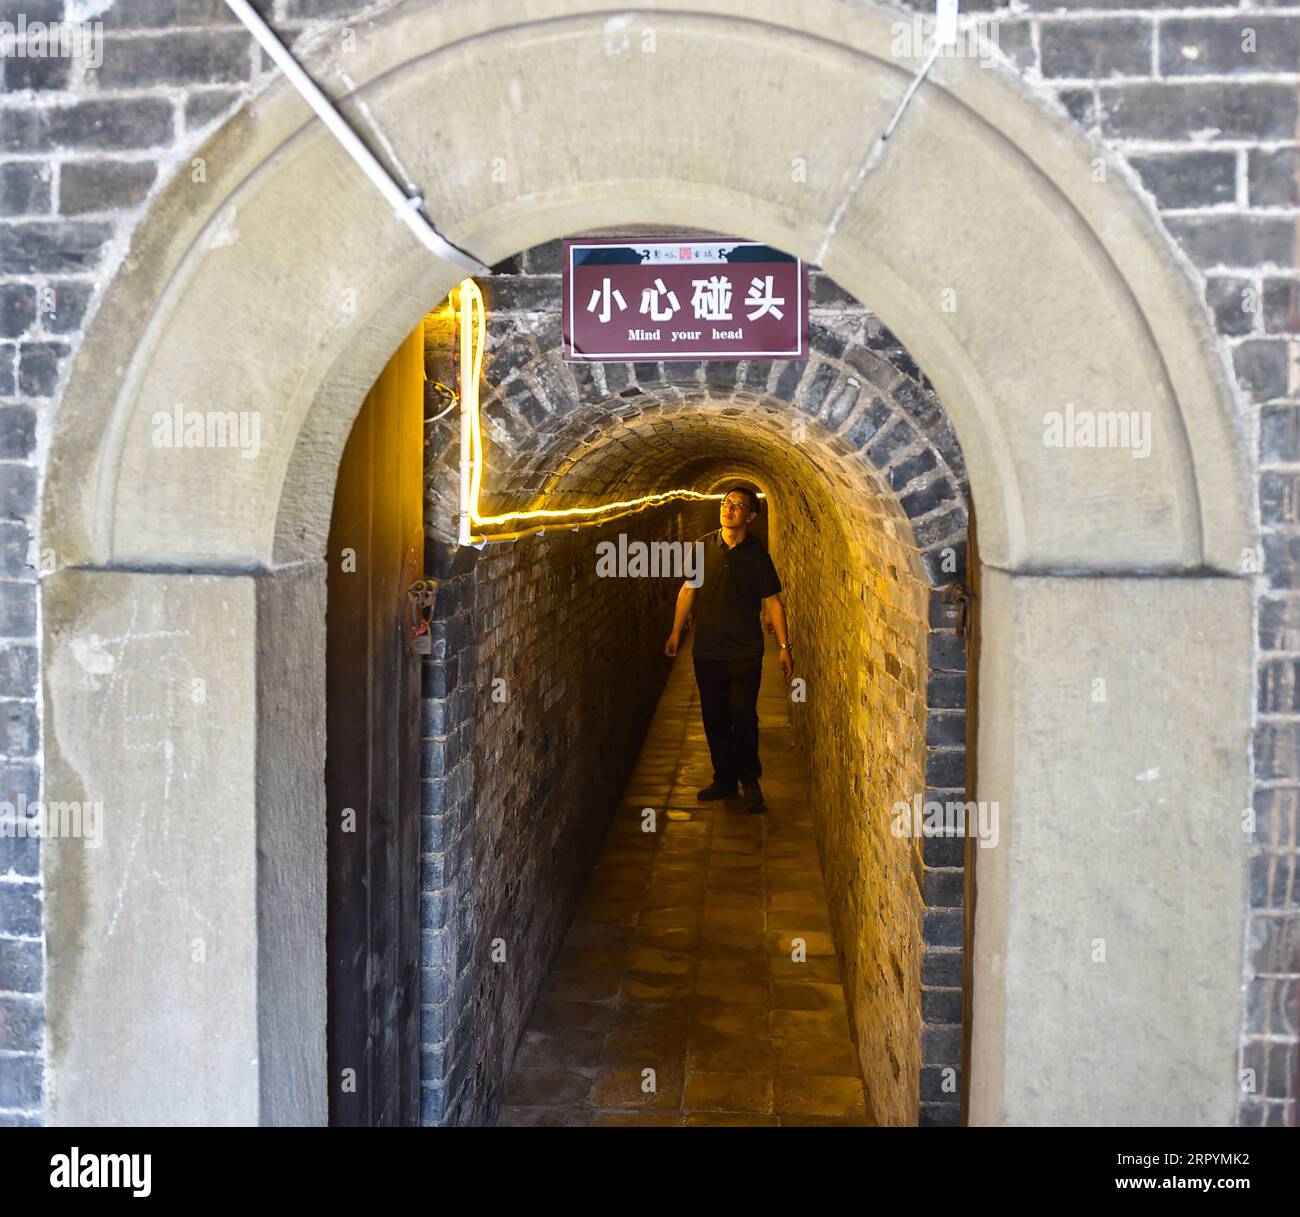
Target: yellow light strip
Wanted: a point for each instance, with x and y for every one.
(473, 322)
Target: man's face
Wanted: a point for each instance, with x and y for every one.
(735, 511)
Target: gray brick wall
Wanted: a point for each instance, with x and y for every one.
(543, 681)
(1209, 126)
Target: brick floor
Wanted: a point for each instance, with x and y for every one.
(679, 960)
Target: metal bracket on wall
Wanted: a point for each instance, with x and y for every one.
(959, 598)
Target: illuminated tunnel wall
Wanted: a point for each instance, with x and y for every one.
(545, 676)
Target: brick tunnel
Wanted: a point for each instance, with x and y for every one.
(577, 969)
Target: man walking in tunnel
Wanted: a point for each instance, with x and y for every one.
(738, 583)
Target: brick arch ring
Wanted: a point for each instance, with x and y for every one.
(173, 557)
(848, 402)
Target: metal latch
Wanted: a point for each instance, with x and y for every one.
(421, 597)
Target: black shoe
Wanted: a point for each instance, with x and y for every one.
(719, 790)
(754, 797)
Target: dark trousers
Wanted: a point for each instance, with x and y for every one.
(729, 707)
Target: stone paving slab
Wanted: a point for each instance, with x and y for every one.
(682, 957)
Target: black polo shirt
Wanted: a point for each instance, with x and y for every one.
(729, 599)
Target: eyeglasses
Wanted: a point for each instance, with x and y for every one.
(742, 504)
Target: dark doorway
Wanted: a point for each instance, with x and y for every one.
(372, 768)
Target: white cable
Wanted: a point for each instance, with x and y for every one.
(407, 209)
(945, 35)
(444, 413)
(911, 89)
(464, 532)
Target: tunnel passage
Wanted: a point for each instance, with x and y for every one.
(698, 983)
(545, 676)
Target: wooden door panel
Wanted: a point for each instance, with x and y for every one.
(373, 756)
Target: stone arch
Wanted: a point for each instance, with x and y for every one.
(166, 555)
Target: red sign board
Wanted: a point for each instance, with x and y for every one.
(683, 298)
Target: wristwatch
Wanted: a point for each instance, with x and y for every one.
(785, 646)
